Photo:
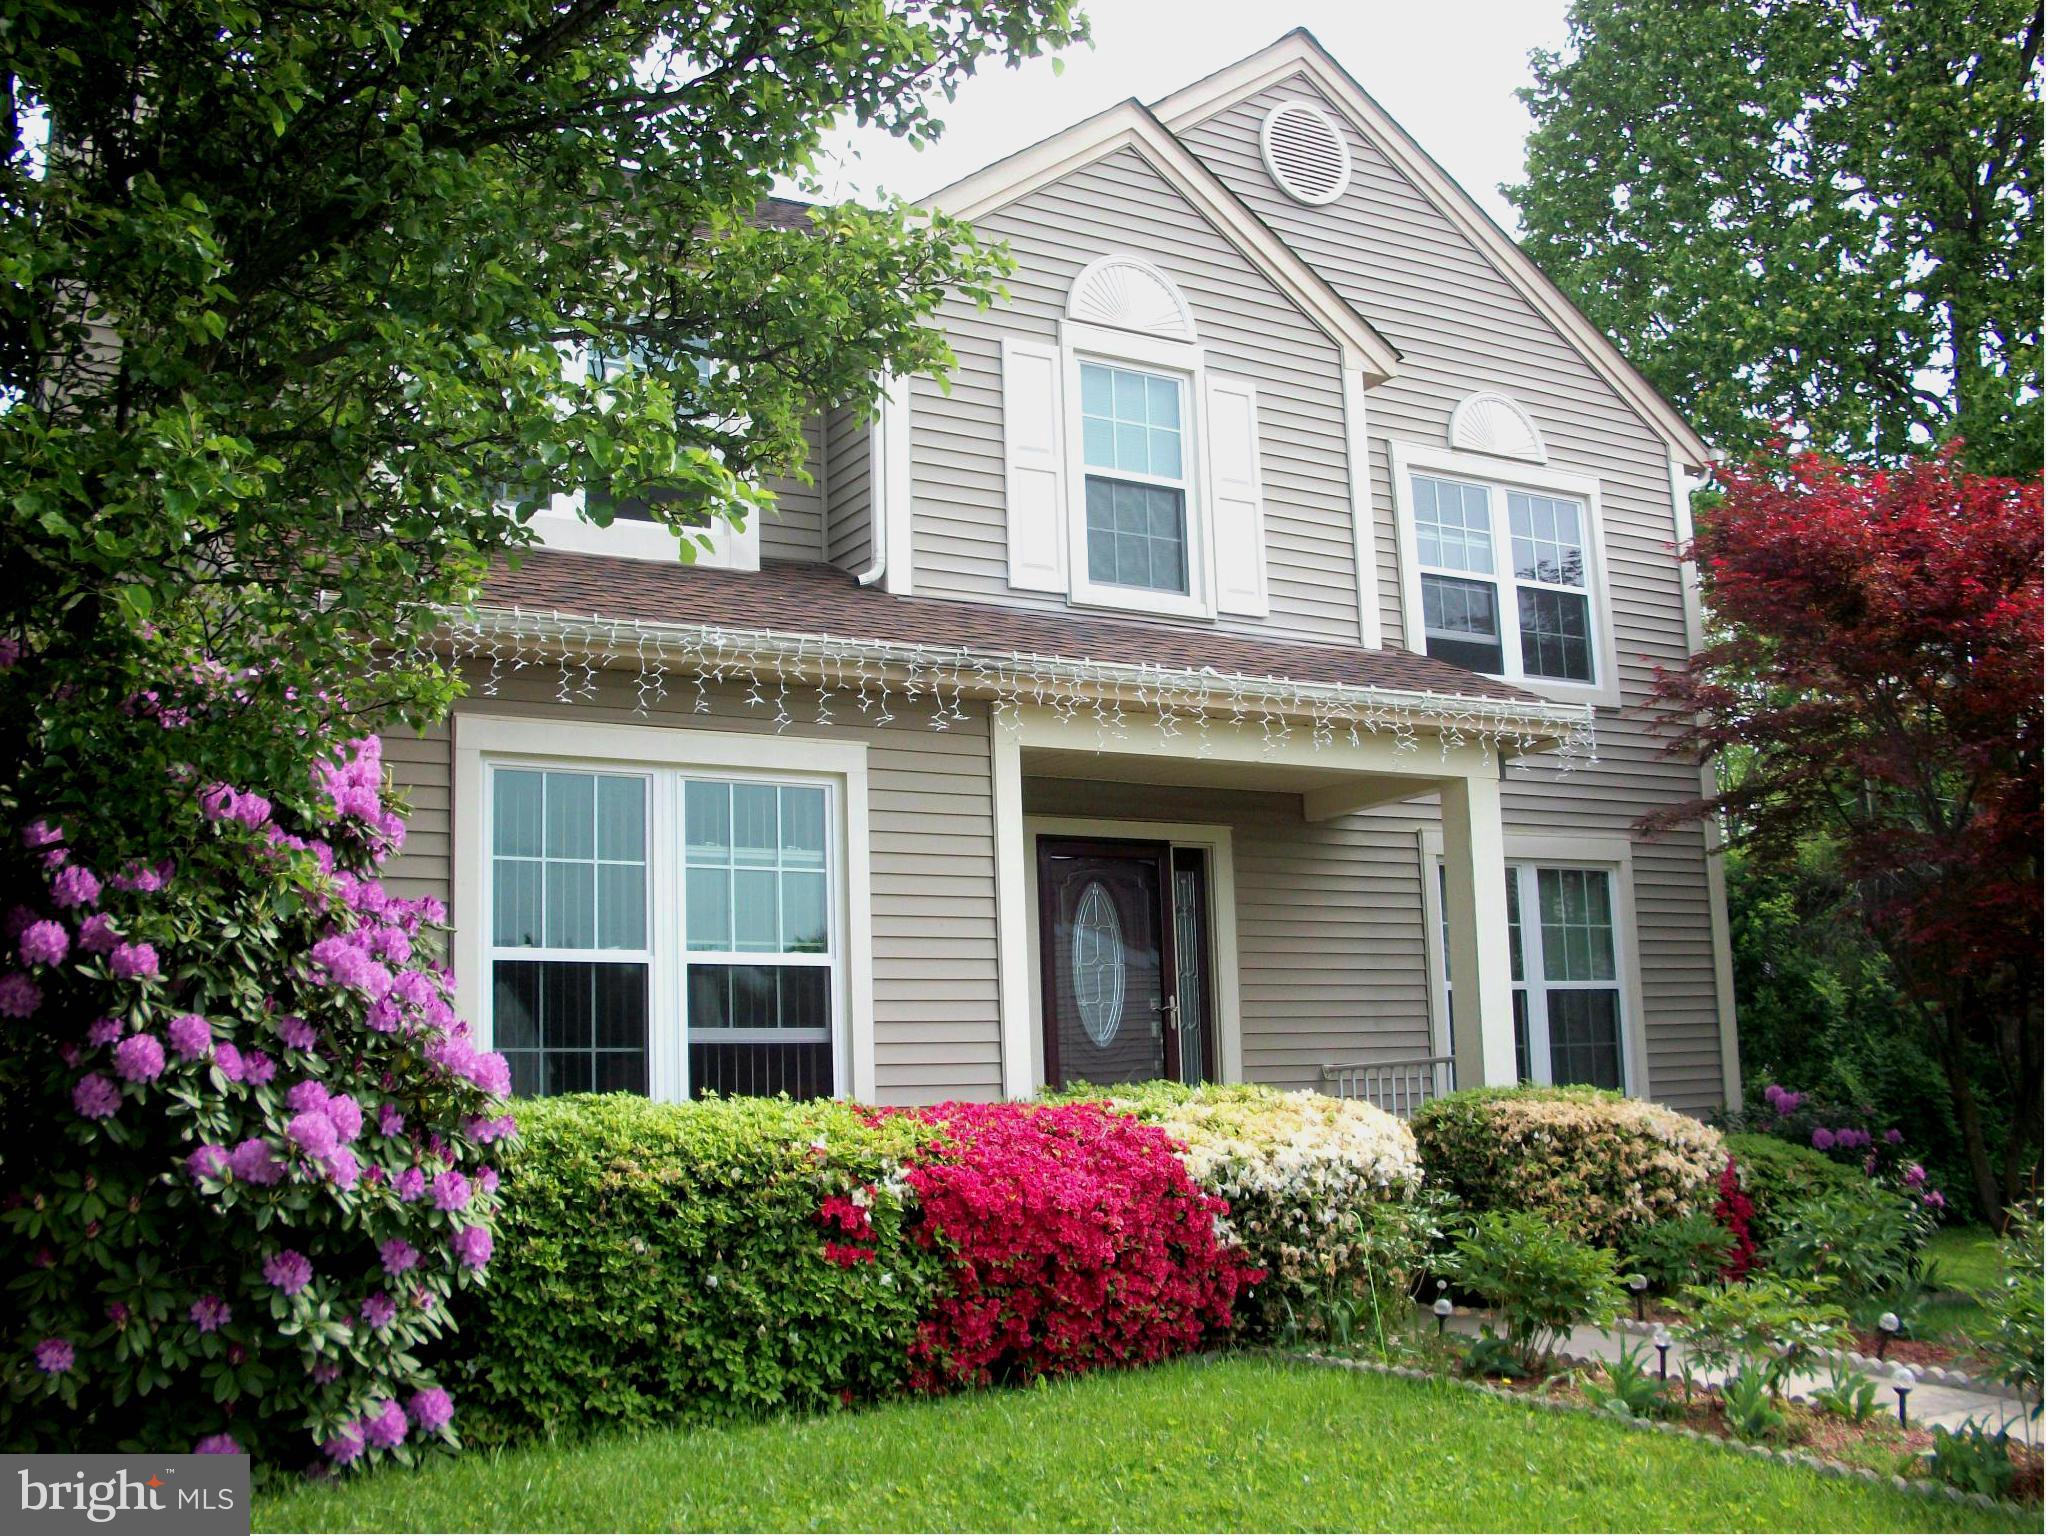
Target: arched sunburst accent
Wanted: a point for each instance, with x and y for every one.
(1492, 423)
(1130, 294)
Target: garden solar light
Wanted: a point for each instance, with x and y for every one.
(1640, 1284)
(1662, 1339)
(1887, 1326)
(1902, 1383)
(1442, 1309)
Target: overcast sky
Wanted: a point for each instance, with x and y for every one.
(1446, 69)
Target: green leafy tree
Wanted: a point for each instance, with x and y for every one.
(285, 297)
(1821, 215)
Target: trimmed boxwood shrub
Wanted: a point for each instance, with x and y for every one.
(1321, 1191)
(718, 1258)
(1777, 1175)
(1597, 1164)
(738, 1256)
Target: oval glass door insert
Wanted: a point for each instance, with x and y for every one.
(1098, 964)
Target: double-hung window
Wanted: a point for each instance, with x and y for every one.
(1503, 576)
(664, 931)
(1135, 462)
(1564, 973)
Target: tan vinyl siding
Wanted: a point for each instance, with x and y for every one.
(1247, 328)
(931, 859)
(849, 497)
(1329, 919)
(795, 530)
(1461, 327)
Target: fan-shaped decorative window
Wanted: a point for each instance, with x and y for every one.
(1098, 964)
(1492, 423)
(1305, 152)
(1130, 295)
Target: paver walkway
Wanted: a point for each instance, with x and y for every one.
(1928, 1403)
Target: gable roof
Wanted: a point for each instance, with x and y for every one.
(1299, 53)
(1130, 125)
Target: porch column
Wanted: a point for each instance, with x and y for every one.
(1476, 907)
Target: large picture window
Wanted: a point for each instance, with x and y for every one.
(1564, 974)
(626, 904)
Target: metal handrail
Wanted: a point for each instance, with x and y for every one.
(1399, 1087)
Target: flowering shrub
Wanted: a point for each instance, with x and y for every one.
(1320, 1190)
(1734, 1212)
(263, 1140)
(1077, 1241)
(1597, 1164)
(661, 1261)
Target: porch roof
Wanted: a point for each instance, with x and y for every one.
(794, 598)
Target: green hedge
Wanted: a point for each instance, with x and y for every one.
(1598, 1165)
(1776, 1174)
(660, 1261)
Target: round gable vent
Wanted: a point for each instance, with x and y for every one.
(1305, 152)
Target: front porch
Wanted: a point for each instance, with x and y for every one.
(1216, 904)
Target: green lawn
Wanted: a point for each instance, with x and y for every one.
(1966, 1259)
(1215, 1444)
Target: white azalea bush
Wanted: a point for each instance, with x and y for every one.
(1322, 1193)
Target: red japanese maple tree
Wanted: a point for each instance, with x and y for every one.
(1878, 682)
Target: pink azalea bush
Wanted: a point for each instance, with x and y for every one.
(263, 1137)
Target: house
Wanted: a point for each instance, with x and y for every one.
(1236, 673)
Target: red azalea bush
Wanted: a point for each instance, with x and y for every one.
(261, 1138)
(1733, 1211)
(1079, 1241)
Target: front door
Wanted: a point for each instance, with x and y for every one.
(1111, 983)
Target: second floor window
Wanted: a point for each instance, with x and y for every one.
(1132, 449)
(1503, 579)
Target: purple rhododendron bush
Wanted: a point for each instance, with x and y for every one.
(248, 1143)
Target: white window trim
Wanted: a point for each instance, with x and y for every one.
(1500, 476)
(1214, 840)
(1079, 343)
(1612, 854)
(482, 741)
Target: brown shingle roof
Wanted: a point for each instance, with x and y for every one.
(794, 598)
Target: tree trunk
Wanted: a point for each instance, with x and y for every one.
(1986, 1184)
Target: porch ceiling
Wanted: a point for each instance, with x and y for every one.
(1325, 790)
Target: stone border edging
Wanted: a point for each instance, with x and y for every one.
(1825, 1466)
(1937, 1375)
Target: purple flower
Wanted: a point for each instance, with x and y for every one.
(379, 1310)
(117, 1313)
(346, 1115)
(95, 1096)
(485, 1131)
(290, 1271)
(139, 1058)
(342, 1167)
(251, 810)
(217, 802)
(257, 1068)
(209, 1314)
(431, 1409)
(55, 1356)
(325, 1372)
(10, 652)
(208, 1162)
(19, 997)
(190, 1036)
(104, 1031)
(471, 1246)
(385, 1425)
(134, 962)
(1915, 1175)
(487, 1179)
(143, 878)
(253, 1162)
(75, 886)
(97, 935)
(229, 1060)
(1893, 1137)
(1934, 1200)
(217, 1445)
(398, 1255)
(389, 1121)
(451, 1191)
(44, 943)
(306, 1096)
(312, 1133)
(344, 1447)
(410, 1184)
(1823, 1139)
(41, 834)
(296, 1032)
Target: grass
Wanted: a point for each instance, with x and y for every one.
(1966, 1259)
(1214, 1444)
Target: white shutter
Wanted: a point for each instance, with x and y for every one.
(1034, 465)
(1238, 521)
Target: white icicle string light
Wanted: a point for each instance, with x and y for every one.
(1118, 698)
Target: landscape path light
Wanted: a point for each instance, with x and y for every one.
(1640, 1284)
(1662, 1339)
(1888, 1326)
(1442, 1309)
(1902, 1383)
